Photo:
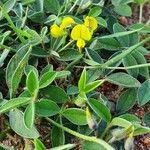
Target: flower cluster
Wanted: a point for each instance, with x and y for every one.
(80, 32)
(58, 31)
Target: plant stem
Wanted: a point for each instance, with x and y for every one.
(141, 12)
(123, 54)
(71, 9)
(13, 26)
(67, 45)
(73, 63)
(105, 131)
(130, 67)
(81, 136)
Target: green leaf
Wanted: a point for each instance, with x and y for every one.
(47, 78)
(119, 34)
(46, 108)
(145, 29)
(16, 120)
(91, 62)
(39, 145)
(25, 94)
(52, 6)
(93, 85)
(134, 39)
(102, 22)
(95, 11)
(63, 74)
(124, 53)
(123, 79)
(86, 145)
(69, 55)
(29, 115)
(26, 2)
(140, 59)
(32, 83)
(57, 136)
(72, 90)
(129, 60)
(75, 115)
(117, 121)
(140, 130)
(93, 55)
(15, 68)
(34, 38)
(47, 68)
(82, 81)
(64, 147)
(93, 74)
(38, 5)
(126, 100)
(131, 118)
(141, 2)
(119, 2)
(37, 17)
(14, 103)
(29, 68)
(123, 10)
(143, 93)
(55, 94)
(124, 40)
(147, 118)
(100, 109)
(39, 52)
(9, 5)
(105, 43)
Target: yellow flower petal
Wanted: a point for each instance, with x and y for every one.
(80, 31)
(80, 44)
(67, 21)
(56, 31)
(91, 23)
(88, 114)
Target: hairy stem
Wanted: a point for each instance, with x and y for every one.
(81, 136)
(141, 12)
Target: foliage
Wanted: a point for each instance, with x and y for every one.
(55, 54)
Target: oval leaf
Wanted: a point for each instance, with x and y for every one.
(82, 80)
(147, 118)
(54, 93)
(47, 78)
(143, 93)
(123, 79)
(100, 109)
(126, 100)
(39, 145)
(15, 68)
(57, 136)
(14, 103)
(16, 120)
(29, 115)
(76, 116)
(46, 108)
(32, 82)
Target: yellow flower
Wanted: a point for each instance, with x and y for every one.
(90, 120)
(80, 44)
(91, 23)
(66, 22)
(88, 114)
(80, 31)
(56, 31)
